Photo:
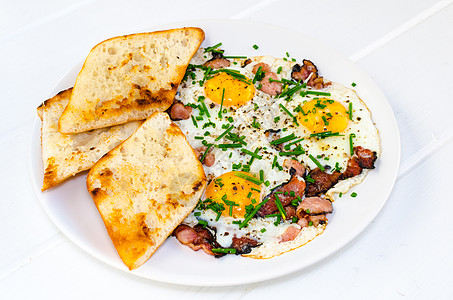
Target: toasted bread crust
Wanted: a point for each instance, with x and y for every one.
(145, 187)
(65, 155)
(129, 77)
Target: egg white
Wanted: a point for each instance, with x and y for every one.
(264, 109)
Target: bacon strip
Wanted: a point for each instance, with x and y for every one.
(179, 111)
(197, 238)
(323, 181)
(314, 206)
(244, 245)
(294, 184)
(290, 234)
(366, 157)
(308, 71)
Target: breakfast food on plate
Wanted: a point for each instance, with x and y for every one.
(128, 78)
(65, 155)
(278, 142)
(237, 155)
(145, 187)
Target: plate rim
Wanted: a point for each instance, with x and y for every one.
(139, 272)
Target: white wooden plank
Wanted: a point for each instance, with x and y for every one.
(345, 25)
(21, 15)
(415, 72)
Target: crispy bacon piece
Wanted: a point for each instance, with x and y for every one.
(316, 220)
(314, 206)
(264, 67)
(294, 167)
(179, 111)
(293, 185)
(197, 238)
(290, 234)
(208, 160)
(313, 212)
(246, 62)
(366, 157)
(271, 87)
(322, 182)
(290, 211)
(217, 63)
(352, 169)
(308, 71)
(243, 245)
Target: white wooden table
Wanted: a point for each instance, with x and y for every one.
(405, 46)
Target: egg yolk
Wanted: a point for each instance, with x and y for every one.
(324, 115)
(233, 191)
(237, 92)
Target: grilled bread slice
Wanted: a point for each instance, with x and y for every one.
(65, 155)
(129, 77)
(145, 187)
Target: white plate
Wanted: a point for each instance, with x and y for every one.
(72, 210)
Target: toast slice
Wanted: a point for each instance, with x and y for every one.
(129, 77)
(65, 155)
(145, 187)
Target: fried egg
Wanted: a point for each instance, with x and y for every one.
(238, 123)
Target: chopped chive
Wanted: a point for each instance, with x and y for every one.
(205, 109)
(207, 133)
(276, 119)
(324, 134)
(279, 70)
(257, 76)
(350, 111)
(253, 212)
(203, 223)
(283, 139)
(252, 154)
(225, 146)
(280, 206)
(230, 211)
(317, 93)
(209, 49)
(206, 152)
(316, 162)
(351, 144)
(273, 215)
(249, 195)
(196, 214)
(224, 133)
(354, 194)
(224, 250)
(353, 84)
(248, 178)
(263, 230)
(199, 137)
(340, 195)
(199, 118)
(253, 201)
(261, 175)
(194, 121)
(221, 103)
(288, 146)
(309, 179)
(274, 162)
(289, 153)
(256, 190)
(255, 47)
(310, 223)
(253, 157)
(325, 120)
